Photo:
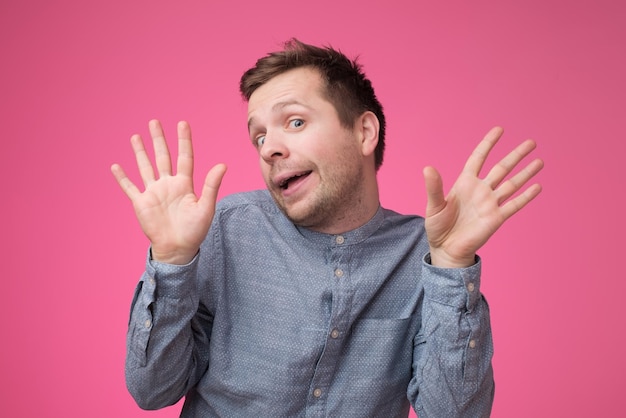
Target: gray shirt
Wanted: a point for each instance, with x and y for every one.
(274, 320)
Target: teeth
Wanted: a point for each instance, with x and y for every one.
(285, 183)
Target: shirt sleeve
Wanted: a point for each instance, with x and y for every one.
(167, 351)
(452, 370)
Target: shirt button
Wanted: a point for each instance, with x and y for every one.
(151, 280)
(340, 239)
(470, 287)
(339, 272)
(147, 323)
(334, 333)
(317, 392)
(472, 344)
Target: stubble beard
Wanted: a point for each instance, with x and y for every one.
(335, 200)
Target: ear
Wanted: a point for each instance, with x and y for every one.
(368, 126)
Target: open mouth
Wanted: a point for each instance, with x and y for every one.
(284, 185)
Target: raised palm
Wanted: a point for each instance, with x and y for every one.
(458, 224)
(173, 218)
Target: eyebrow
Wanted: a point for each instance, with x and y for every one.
(279, 106)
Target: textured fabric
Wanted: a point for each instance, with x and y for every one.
(273, 320)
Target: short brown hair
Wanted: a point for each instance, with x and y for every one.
(346, 86)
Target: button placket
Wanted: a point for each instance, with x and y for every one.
(338, 265)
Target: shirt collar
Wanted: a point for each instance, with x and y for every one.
(354, 236)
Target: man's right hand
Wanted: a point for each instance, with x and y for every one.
(173, 218)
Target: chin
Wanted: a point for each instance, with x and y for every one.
(298, 217)
(300, 214)
(305, 211)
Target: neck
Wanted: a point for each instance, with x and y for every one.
(359, 209)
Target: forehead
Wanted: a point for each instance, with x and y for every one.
(300, 85)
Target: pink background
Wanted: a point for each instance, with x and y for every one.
(78, 78)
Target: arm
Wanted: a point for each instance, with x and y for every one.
(166, 347)
(168, 337)
(452, 358)
(452, 373)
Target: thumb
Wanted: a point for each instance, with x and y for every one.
(211, 186)
(436, 200)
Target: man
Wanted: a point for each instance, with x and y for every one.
(309, 299)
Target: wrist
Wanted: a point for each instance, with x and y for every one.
(175, 258)
(440, 258)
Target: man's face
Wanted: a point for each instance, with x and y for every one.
(313, 166)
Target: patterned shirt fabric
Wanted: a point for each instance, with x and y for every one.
(274, 320)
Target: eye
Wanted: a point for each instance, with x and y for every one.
(296, 123)
(260, 140)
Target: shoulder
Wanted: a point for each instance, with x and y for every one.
(397, 227)
(394, 219)
(247, 220)
(247, 207)
(259, 199)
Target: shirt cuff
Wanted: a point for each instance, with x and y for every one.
(172, 280)
(456, 287)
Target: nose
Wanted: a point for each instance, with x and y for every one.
(274, 147)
